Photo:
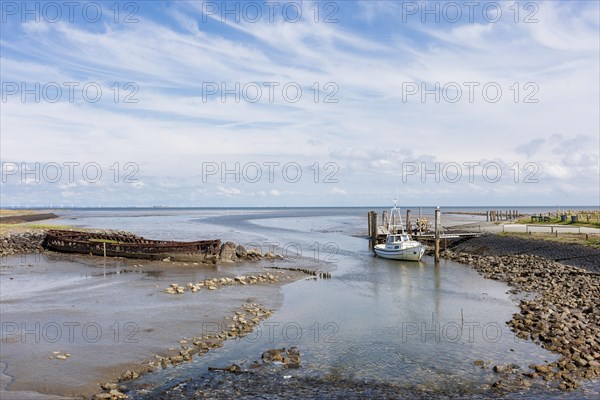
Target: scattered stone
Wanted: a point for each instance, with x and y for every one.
(236, 369)
(110, 386)
(102, 396)
(117, 394)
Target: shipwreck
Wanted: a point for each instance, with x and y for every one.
(113, 244)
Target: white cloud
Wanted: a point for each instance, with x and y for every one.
(221, 190)
(336, 190)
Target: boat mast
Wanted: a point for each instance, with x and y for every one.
(395, 214)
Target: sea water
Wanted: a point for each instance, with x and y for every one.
(376, 320)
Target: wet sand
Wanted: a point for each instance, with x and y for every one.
(109, 317)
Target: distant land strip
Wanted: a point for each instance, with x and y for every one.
(17, 219)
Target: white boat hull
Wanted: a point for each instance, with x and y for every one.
(413, 253)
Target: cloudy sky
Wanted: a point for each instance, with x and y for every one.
(300, 103)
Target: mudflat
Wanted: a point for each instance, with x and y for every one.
(73, 322)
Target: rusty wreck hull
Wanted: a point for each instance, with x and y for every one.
(130, 246)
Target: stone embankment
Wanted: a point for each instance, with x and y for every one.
(566, 253)
(564, 317)
(20, 218)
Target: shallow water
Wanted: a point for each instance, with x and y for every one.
(402, 323)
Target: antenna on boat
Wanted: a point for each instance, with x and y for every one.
(395, 220)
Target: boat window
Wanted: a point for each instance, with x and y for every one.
(396, 247)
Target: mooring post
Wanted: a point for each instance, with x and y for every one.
(408, 221)
(384, 217)
(437, 234)
(104, 248)
(373, 233)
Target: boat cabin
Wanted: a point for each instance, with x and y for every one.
(397, 238)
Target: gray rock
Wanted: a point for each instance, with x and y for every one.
(228, 252)
(240, 251)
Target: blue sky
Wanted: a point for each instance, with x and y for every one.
(302, 103)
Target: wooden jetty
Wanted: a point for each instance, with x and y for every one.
(492, 216)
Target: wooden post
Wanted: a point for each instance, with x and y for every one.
(384, 217)
(408, 221)
(370, 230)
(104, 248)
(487, 216)
(373, 225)
(437, 234)
(375, 230)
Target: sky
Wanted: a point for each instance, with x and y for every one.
(306, 103)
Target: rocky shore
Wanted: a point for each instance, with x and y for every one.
(564, 315)
(22, 242)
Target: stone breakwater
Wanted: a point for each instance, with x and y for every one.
(242, 323)
(23, 242)
(564, 317)
(215, 283)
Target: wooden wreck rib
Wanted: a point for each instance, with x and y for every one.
(131, 246)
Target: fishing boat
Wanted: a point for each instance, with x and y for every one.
(398, 244)
(117, 244)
